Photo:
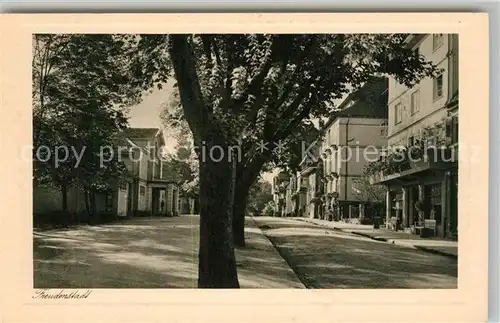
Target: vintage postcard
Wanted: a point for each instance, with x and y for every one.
(249, 167)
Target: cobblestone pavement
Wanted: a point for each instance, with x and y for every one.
(327, 258)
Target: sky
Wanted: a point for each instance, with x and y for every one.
(147, 115)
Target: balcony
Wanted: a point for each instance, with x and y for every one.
(333, 195)
(334, 175)
(439, 160)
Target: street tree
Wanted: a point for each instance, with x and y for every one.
(249, 90)
(259, 196)
(82, 86)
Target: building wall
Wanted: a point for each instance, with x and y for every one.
(289, 202)
(122, 200)
(143, 166)
(169, 196)
(349, 161)
(132, 162)
(49, 199)
(142, 199)
(431, 110)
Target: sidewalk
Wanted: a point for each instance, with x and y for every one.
(434, 245)
(259, 263)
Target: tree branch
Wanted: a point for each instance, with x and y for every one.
(216, 52)
(195, 110)
(282, 133)
(255, 84)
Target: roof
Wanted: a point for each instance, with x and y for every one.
(370, 101)
(136, 133)
(126, 137)
(413, 39)
(124, 141)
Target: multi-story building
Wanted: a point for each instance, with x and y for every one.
(149, 190)
(358, 127)
(422, 191)
(300, 192)
(309, 191)
(279, 190)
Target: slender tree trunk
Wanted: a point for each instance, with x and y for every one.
(241, 195)
(244, 181)
(217, 263)
(93, 206)
(64, 193)
(87, 203)
(90, 205)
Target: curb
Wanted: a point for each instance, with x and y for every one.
(405, 245)
(366, 235)
(437, 252)
(292, 268)
(390, 241)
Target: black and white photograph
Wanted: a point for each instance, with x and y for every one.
(283, 161)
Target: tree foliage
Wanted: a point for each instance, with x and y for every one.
(364, 191)
(266, 87)
(257, 89)
(259, 196)
(82, 86)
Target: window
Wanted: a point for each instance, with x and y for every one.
(383, 129)
(430, 138)
(142, 190)
(123, 186)
(411, 141)
(437, 41)
(398, 117)
(438, 87)
(109, 202)
(415, 102)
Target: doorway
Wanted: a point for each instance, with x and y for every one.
(433, 195)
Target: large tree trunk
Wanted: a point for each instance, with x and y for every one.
(217, 263)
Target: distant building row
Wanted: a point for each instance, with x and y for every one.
(344, 180)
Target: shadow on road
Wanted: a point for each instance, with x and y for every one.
(146, 253)
(327, 258)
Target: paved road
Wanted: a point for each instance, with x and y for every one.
(326, 258)
(153, 252)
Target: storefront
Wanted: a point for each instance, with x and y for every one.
(425, 199)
